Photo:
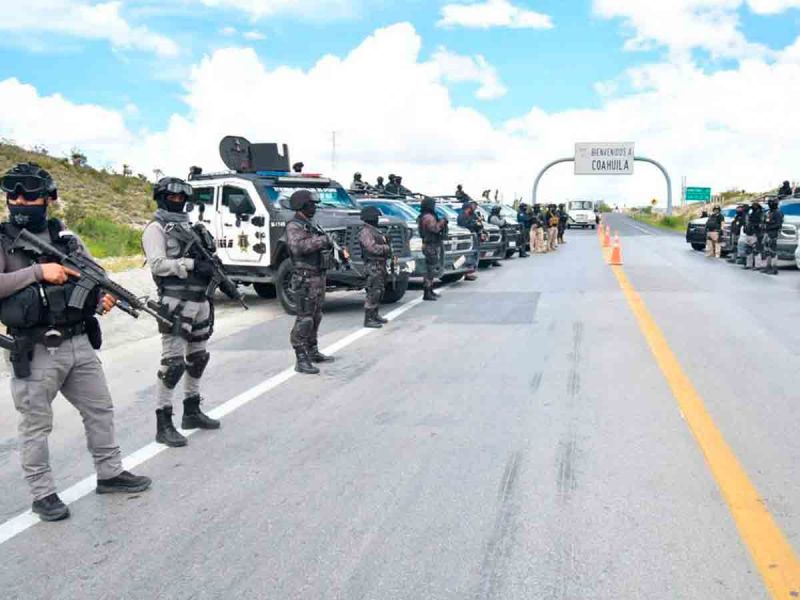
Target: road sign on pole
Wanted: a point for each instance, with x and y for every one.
(698, 194)
(604, 158)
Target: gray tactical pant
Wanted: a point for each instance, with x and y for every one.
(73, 369)
(176, 346)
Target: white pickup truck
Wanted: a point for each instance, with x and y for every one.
(581, 214)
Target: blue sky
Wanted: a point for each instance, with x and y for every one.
(129, 64)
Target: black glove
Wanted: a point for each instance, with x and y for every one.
(203, 268)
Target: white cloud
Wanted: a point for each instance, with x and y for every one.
(254, 36)
(82, 19)
(772, 7)
(730, 128)
(58, 124)
(257, 9)
(228, 31)
(683, 25)
(493, 13)
(457, 68)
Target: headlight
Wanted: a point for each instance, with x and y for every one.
(415, 244)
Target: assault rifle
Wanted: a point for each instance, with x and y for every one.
(92, 277)
(202, 244)
(8, 343)
(341, 256)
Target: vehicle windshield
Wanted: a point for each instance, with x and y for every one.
(393, 209)
(581, 205)
(729, 213)
(329, 197)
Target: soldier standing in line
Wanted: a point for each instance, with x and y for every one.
(714, 233)
(182, 277)
(563, 218)
(772, 228)
(432, 230)
(537, 230)
(552, 228)
(56, 345)
(752, 229)
(312, 255)
(736, 231)
(524, 220)
(375, 250)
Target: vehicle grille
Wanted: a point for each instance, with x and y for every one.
(458, 243)
(495, 238)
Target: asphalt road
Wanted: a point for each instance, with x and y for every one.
(516, 439)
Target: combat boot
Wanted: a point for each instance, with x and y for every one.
(50, 508)
(370, 321)
(380, 318)
(318, 357)
(165, 430)
(470, 277)
(427, 294)
(304, 364)
(194, 418)
(124, 483)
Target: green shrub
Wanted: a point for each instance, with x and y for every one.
(105, 238)
(670, 221)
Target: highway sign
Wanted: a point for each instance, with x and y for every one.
(698, 194)
(604, 158)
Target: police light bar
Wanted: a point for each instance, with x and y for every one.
(272, 173)
(305, 179)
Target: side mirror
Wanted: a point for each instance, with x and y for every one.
(240, 205)
(258, 221)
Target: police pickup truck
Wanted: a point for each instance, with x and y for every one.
(247, 208)
(493, 247)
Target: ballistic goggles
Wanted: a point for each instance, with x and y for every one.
(178, 188)
(31, 187)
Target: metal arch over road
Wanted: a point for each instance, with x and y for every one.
(638, 158)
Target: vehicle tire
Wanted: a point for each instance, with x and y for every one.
(699, 247)
(265, 290)
(283, 282)
(393, 293)
(510, 253)
(594, 226)
(452, 277)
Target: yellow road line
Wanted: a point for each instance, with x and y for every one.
(771, 552)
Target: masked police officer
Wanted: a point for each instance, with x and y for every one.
(524, 220)
(755, 235)
(772, 228)
(563, 219)
(358, 184)
(736, 231)
(312, 254)
(714, 233)
(432, 230)
(182, 277)
(55, 344)
(379, 187)
(375, 250)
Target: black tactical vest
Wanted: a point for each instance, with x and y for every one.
(316, 261)
(193, 288)
(429, 237)
(43, 304)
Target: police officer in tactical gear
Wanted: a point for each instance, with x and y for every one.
(737, 225)
(785, 190)
(392, 187)
(524, 220)
(375, 250)
(379, 187)
(538, 227)
(753, 229)
(461, 195)
(358, 184)
(772, 228)
(312, 255)
(55, 344)
(552, 228)
(182, 276)
(433, 232)
(714, 233)
(563, 218)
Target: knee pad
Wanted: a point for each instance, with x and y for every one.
(196, 363)
(171, 371)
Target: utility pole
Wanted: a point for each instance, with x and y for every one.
(333, 152)
(683, 190)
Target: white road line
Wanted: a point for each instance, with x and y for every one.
(20, 523)
(642, 229)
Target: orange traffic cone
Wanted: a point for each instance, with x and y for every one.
(607, 238)
(616, 252)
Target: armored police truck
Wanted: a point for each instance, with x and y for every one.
(247, 208)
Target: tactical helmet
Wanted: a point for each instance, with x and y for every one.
(380, 178)
(356, 175)
(773, 203)
(298, 167)
(428, 205)
(29, 180)
(301, 198)
(370, 214)
(168, 186)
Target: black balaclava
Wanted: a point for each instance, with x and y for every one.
(428, 206)
(302, 201)
(370, 215)
(29, 177)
